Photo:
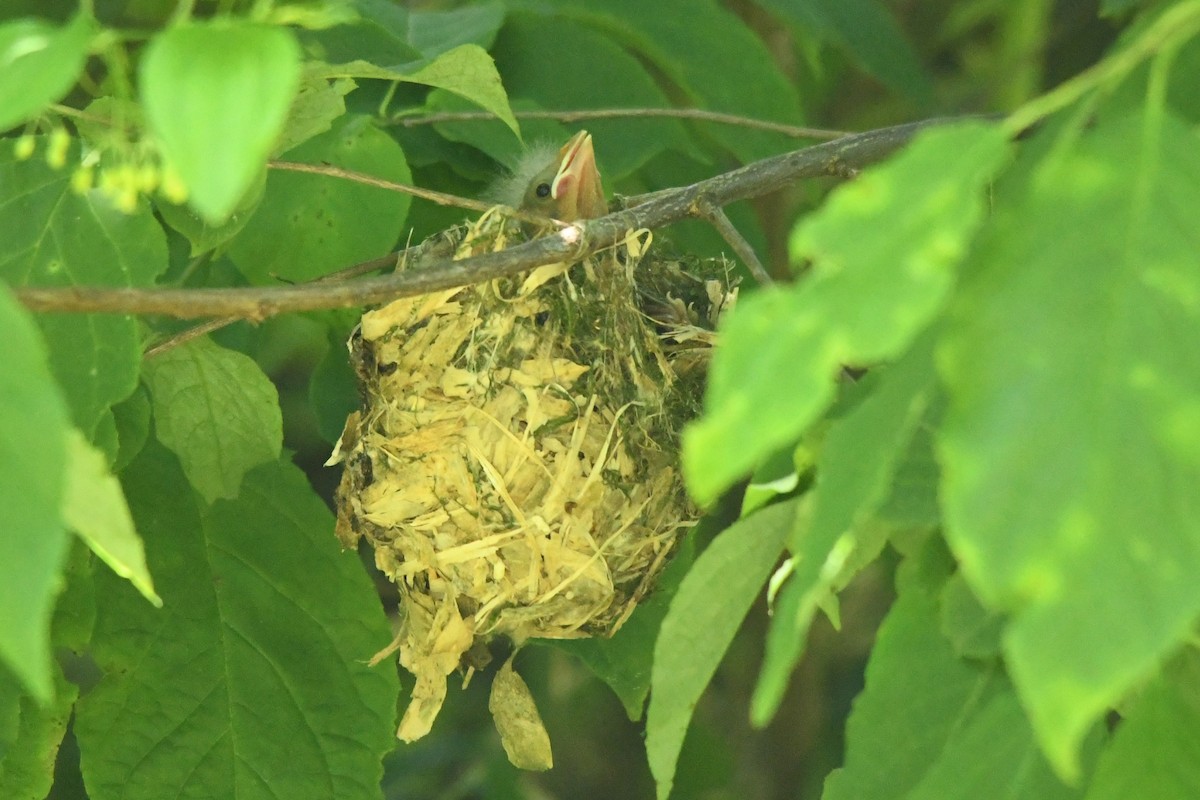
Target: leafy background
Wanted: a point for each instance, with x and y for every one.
(981, 551)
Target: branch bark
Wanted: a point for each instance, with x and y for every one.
(570, 243)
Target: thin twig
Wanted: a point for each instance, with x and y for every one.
(570, 243)
(579, 115)
(441, 198)
(715, 215)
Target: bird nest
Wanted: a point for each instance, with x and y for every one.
(515, 462)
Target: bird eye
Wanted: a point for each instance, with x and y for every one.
(542, 190)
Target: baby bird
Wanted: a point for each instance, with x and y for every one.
(563, 185)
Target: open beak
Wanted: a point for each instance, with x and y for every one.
(576, 189)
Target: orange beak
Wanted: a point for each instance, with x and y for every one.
(577, 191)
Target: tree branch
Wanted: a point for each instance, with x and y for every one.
(570, 243)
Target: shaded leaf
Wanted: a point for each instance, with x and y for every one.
(436, 31)
(51, 236)
(309, 225)
(217, 411)
(710, 53)
(622, 145)
(250, 682)
(854, 472)
(27, 768)
(1155, 752)
(972, 630)
(917, 692)
(867, 31)
(709, 607)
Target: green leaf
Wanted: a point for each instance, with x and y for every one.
(94, 507)
(971, 629)
(992, 755)
(39, 63)
(1156, 749)
(854, 472)
(1112, 8)
(869, 34)
(1071, 446)
(309, 225)
(317, 104)
(913, 499)
(917, 695)
(435, 32)
(33, 541)
(333, 391)
(217, 411)
(884, 249)
(706, 612)
(467, 70)
(51, 236)
(132, 421)
(27, 769)
(624, 660)
(216, 94)
(379, 36)
(202, 234)
(622, 145)
(250, 682)
(708, 52)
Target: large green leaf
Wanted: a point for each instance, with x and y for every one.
(1156, 750)
(39, 63)
(868, 33)
(309, 225)
(708, 51)
(932, 726)
(33, 540)
(1071, 448)
(217, 411)
(884, 249)
(216, 94)
(250, 682)
(706, 612)
(858, 458)
(434, 32)
(567, 79)
(51, 236)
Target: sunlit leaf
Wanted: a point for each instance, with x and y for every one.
(216, 94)
(1071, 447)
(94, 507)
(39, 63)
(866, 299)
(33, 459)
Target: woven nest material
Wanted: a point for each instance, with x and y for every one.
(515, 462)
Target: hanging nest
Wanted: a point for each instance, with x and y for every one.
(515, 462)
